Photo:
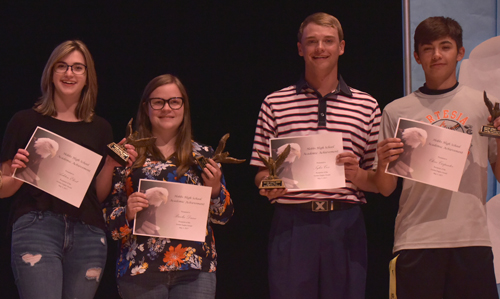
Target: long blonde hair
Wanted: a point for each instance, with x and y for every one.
(85, 108)
(183, 146)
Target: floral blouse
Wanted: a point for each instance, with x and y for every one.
(139, 255)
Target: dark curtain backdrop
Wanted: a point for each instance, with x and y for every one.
(229, 55)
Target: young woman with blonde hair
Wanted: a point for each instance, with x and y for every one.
(59, 250)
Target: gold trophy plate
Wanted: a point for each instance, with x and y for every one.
(489, 131)
(118, 153)
(272, 184)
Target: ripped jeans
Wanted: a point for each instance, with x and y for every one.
(56, 257)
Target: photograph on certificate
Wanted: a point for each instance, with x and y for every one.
(432, 155)
(58, 166)
(311, 163)
(176, 211)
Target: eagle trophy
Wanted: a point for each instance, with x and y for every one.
(118, 151)
(489, 130)
(273, 181)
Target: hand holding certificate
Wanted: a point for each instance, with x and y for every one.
(58, 166)
(431, 155)
(177, 211)
(311, 161)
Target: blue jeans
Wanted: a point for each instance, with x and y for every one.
(56, 257)
(201, 288)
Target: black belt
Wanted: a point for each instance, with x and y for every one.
(321, 205)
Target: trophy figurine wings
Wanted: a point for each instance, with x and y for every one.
(219, 156)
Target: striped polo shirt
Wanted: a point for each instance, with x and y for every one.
(299, 110)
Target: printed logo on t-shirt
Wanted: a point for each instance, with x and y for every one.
(452, 120)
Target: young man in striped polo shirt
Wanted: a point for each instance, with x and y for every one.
(441, 237)
(317, 245)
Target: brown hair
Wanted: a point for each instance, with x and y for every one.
(88, 97)
(322, 19)
(183, 146)
(434, 28)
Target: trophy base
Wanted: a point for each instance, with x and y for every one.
(118, 153)
(489, 131)
(272, 184)
(202, 161)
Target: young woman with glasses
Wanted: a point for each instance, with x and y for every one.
(59, 250)
(154, 267)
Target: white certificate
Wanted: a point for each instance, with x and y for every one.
(177, 211)
(432, 155)
(58, 166)
(311, 164)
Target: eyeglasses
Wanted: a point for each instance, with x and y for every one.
(77, 68)
(174, 103)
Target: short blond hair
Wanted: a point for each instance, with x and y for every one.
(88, 98)
(322, 19)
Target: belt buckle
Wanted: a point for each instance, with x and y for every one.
(320, 206)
